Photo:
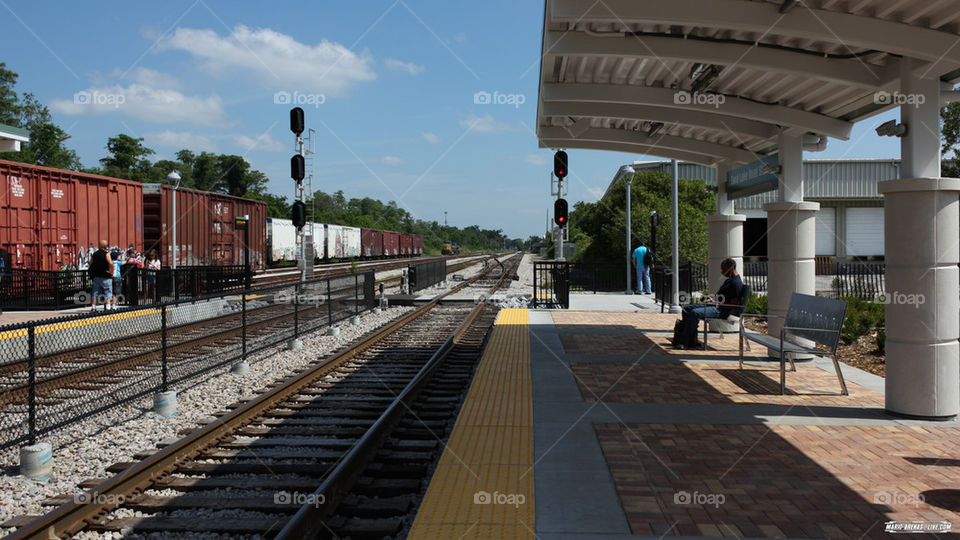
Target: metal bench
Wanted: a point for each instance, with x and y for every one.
(730, 323)
(810, 321)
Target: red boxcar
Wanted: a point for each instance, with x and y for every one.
(417, 244)
(371, 243)
(406, 244)
(205, 227)
(50, 217)
(227, 244)
(391, 244)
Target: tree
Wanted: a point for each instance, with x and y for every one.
(9, 102)
(950, 134)
(127, 159)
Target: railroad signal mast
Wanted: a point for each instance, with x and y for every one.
(560, 208)
(299, 166)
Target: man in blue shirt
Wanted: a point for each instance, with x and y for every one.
(643, 270)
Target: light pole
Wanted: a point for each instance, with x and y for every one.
(444, 218)
(173, 179)
(626, 172)
(675, 282)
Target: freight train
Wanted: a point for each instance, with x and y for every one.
(339, 242)
(52, 218)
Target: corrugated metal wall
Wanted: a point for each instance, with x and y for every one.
(823, 179)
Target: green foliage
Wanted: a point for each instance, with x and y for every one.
(881, 340)
(757, 304)
(862, 317)
(127, 159)
(603, 223)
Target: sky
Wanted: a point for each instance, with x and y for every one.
(395, 91)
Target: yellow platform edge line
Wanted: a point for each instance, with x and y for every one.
(53, 327)
(483, 486)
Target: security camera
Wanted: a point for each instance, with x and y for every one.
(891, 129)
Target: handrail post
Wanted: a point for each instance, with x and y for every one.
(243, 325)
(296, 309)
(356, 294)
(32, 375)
(329, 304)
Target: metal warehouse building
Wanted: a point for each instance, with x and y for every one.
(849, 222)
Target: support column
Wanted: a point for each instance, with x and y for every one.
(921, 224)
(724, 232)
(791, 237)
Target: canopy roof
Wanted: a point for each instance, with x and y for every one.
(725, 77)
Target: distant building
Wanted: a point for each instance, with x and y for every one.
(850, 220)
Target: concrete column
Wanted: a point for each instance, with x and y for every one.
(921, 224)
(791, 236)
(724, 232)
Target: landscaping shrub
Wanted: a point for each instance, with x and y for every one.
(757, 303)
(862, 317)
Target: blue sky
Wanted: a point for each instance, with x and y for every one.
(396, 80)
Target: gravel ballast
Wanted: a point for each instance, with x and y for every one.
(84, 450)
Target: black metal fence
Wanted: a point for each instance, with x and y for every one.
(693, 277)
(55, 373)
(38, 289)
(423, 275)
(755, 275)
(553, 281)
(860, 279)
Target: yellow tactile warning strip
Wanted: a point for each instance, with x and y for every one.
(53, 327)
(483, 485)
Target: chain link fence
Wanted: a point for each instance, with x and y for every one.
(55, 373)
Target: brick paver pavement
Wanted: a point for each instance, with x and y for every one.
(770, 481)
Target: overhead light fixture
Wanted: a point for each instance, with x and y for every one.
(696, 70)
(626, 172)
(788, 5)
(891, 129)
(705, 79)
(655, 128)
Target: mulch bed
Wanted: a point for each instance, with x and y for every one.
(862, 355)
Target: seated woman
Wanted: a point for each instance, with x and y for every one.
(721, 305)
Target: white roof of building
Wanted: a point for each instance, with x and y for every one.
(724, 77)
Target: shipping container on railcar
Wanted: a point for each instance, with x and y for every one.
(333, 242)
(281, 240)
(417, 245)
(193, 224)
(391, 244)
(371, 243)
(351, 242)
(227, 244)
(50, 217)
(406, 244)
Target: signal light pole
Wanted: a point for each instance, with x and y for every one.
(298, 172)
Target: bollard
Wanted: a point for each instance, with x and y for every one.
(295, 344)
(165, 403)
(36, 461)
(355, 320)
(240, 368)
(376, 310)
(333, 331)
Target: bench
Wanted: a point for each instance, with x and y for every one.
(730, 323)
(810, 321)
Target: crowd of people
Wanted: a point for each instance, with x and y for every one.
(108, 266)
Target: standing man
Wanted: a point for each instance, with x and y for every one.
(101, 270)
(643, 264)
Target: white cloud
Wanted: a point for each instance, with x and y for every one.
(274, 60)
(180, 140)
(163, 105)
(152, 78)
(430, 137)
(485, 123)
(263, 142)
(393, 161)
(535, 159)
(400, 65)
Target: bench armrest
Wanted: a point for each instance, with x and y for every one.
(760, 316)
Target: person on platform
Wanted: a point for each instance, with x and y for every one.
(150, 277)
(101, 270)
(721, 305)
(643, 264)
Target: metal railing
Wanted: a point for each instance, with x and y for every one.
(553, 281)
(693, 278)
(55, 372)
(39, 289)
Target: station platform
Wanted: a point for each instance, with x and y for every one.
(587, 424)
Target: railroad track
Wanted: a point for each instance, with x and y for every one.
(377, 267)
(357, 425)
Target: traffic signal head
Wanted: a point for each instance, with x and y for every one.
(299, 214)
(298, 167)
(560, 212)
(560, 164)
(296, 121)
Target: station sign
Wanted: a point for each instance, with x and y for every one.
(757, 177)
